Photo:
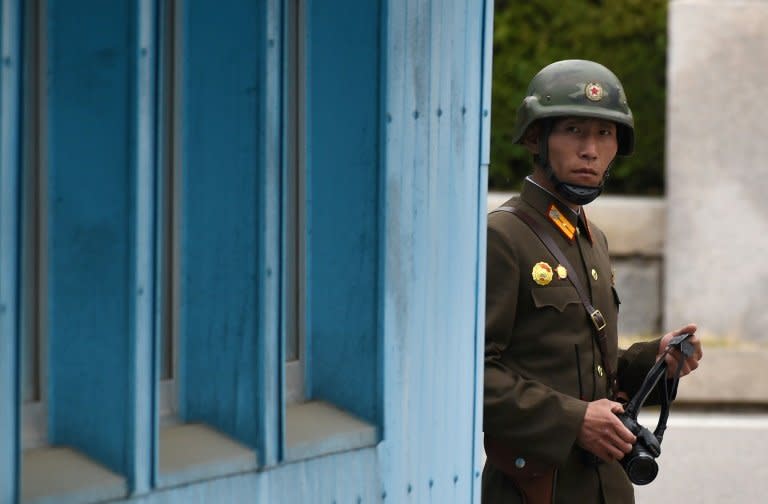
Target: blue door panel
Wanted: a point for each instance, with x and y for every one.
(90, 221)
(222, 89)
(344, 169)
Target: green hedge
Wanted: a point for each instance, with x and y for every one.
(627, 36)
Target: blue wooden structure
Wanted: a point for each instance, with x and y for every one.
(395, 109)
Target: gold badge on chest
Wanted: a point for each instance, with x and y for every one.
(542, 273)
(562, 273)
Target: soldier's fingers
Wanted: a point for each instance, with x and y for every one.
(625, 448)
(672, 358)
(684, 371)
(698, 351)
(624, 436)
(673, 362)
(622, 445)
(617, 407)
(615, 452)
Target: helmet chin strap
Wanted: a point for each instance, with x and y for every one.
(576, 194)
(572, 193)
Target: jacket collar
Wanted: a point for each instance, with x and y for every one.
(560, 215)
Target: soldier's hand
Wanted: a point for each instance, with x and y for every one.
(674, 357)
(602, 433)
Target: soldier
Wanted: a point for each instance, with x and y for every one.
(553, 370)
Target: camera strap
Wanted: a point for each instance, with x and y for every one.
(598, 321)
(668, 386)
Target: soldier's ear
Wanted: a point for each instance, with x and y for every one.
(531, 138)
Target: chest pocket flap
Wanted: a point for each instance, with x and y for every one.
(555, 297)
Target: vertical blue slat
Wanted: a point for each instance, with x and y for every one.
(271, 407)
(10, 73)
(487, 65)
(306, 41)
(485, 99)
(434, 184)
(142, 459)
(400, 234)
(477, 431)
(422, 245)
(100, 236)
(222, 271)
(383, 120)
(478, 107)
(393, 300)
(445, 211)
(165, 68)
(343, 210)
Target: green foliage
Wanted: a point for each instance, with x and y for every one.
(627, 36)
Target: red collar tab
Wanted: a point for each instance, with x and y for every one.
(561, 222)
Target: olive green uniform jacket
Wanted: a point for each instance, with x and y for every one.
(542, 363)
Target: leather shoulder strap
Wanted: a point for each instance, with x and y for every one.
(598, 321)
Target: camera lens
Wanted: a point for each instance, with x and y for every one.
(641, 469)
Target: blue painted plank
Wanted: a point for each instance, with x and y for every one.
(423, 247)
(271, 364)
(144, 398)
(487, 79)
(100, 232)
(395, 298)
(449, 288)
(10, 75)
(473, 176)
(343, 163)
(222, 216)
(400, 235)
(164, 212)
(434, 183)
(487, 65)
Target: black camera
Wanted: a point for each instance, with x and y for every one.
(640, 463)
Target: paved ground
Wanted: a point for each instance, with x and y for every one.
(710, 457)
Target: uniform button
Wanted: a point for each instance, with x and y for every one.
(519, 462)
(594, 274)
(600, 371)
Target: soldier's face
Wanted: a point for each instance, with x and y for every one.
(581, 149)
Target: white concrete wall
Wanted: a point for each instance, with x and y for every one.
(717, 168)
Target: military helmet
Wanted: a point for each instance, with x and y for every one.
(577, 88)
